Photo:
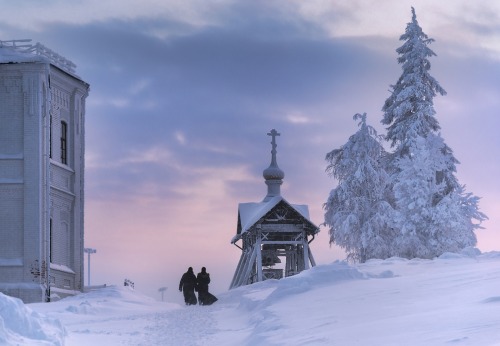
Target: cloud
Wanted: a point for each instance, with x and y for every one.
(35, 16)
(139, 86)
(180, 137)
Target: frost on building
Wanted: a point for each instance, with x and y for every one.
(42, 112)
(274, 234)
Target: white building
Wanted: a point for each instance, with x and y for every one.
(42, 113)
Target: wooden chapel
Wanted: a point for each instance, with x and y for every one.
(275, 235)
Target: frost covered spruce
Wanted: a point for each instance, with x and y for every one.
(406, 203)
(357, 209)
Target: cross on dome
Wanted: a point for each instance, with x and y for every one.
(273, 134)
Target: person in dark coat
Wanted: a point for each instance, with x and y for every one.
(187, 286)
(204, 297)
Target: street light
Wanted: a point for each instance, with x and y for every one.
(89, 251)
(162, 290)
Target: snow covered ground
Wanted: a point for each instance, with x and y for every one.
(451, 300)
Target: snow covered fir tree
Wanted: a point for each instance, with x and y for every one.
(357, 209)
(407, 202)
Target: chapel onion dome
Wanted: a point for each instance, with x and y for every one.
(273, 172)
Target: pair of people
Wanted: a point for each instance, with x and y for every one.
(191, 283)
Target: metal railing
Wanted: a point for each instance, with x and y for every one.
(25, 46)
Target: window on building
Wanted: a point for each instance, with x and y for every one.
(51, 241)
(64, 142)
(50, 137)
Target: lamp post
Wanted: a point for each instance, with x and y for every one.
(89, 251)
(162, 290)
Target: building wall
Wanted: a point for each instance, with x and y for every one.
(67, 183)
(41, 198)
(20, 177)
(11, 170)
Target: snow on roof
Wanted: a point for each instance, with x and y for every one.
(22, 51)
(13, 54)
(250, 213)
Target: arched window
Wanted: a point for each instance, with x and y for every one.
(64, 142)
(50, 136)
(64, 245)
(51, 242)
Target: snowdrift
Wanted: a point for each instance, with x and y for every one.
(19, 325)
(453, 299)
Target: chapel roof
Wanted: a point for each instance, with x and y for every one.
(251, 213)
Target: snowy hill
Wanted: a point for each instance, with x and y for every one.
(454, 299)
